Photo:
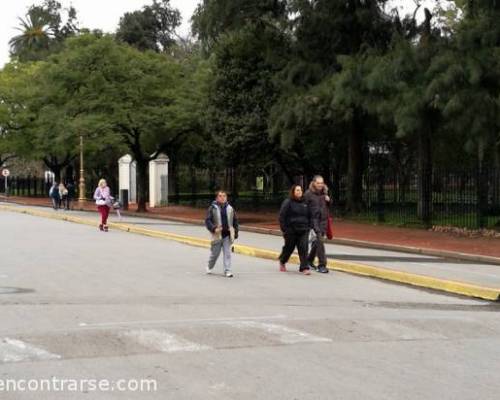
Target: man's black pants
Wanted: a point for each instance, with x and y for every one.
(318, 250)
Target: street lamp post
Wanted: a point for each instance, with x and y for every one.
(81, 186)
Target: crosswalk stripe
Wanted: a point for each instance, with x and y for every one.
(163, 341)
(397, 330)
(284, 334)
(13, 350)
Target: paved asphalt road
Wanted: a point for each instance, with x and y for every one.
(78, 304)
(469, 272)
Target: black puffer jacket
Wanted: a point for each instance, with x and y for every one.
(295, 216)
(319, 209)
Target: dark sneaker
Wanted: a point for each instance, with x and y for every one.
(106, 229)
(312, 266)
(322, 269)
(101, 228)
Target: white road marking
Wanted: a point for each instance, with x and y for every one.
(163, 341)
(285, 334)
(181, 321)
(12, 350)
(218, 386)
(397, 330)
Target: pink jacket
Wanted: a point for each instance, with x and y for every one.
(102, 195)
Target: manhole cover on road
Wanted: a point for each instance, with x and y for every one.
(14, 290)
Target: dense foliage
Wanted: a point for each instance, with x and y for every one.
(300, 86)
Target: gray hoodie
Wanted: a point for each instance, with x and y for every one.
(319, 208)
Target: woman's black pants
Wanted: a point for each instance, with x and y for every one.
(292, 240)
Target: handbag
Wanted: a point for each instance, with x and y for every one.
(329, 228)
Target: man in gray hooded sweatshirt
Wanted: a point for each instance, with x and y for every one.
(318, 201)
(222, 223)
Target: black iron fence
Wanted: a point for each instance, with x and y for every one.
(466, 199)
(37, 187)
(26, 186)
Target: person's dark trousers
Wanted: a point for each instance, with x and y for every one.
(292, 240)
(318, 250)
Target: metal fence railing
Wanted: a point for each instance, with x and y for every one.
(466, 199)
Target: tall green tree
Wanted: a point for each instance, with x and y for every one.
(213, 18)
(467, 78)
(467, 81)
(16, 89)
(152, 28)
(43, 30)
(322, 32)
(401, 84)
(247, 49)
(114, 93)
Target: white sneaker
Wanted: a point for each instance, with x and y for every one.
(209, 271)
(229, 274)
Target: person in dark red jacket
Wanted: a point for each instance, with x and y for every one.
(295, 223)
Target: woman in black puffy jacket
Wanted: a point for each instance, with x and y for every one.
(295, 223)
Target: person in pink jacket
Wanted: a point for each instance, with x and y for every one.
(104, 201)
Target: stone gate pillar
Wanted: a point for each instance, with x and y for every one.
(158, 181)
(127, 177)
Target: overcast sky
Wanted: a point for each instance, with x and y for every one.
(99, 14)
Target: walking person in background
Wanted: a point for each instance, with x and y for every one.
(71, 195)
(104, 201)
(318, 201)
(54, 195)
(63, 196)
(295, 223)
(222, 223)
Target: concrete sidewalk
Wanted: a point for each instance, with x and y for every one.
(419, 270)
(382, 237)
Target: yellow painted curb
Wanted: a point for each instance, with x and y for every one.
(421, 281)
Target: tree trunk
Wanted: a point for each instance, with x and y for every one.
(327, 177)
(481, 185)
(425, 177)
(212, 180)
(234, 184)
(174, 165)
(142, 184)
(57, 172)
(281, 162)
(194, 189)
(69, 173)
(56, 166)
(4, 159)
(355, 170)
